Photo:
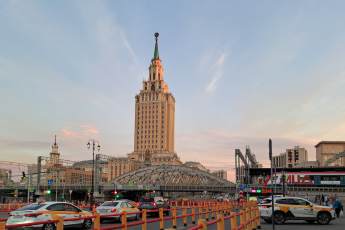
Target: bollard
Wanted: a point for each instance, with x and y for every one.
(193, 215)
(124, 220)
(248, 219)
(203, 224)
(200, 213)
(242, 219)
(253, 216)
(220, 223)
(2, 225)
(184, 214)
(174, 218)
(213, 212)
(258, 224)
(207, 214)
(144, 219)
(233, 221)
(97, 222)
(59, 224)
(161, 219)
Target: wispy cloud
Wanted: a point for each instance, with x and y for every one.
(217, 70)
(82, 131)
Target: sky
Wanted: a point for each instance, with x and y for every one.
(241, 72)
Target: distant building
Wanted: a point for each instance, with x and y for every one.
(326, 150)
(59, 173)
(154, 132)
(198, 165)
(5, 176)
(221, 174)
(290, 158)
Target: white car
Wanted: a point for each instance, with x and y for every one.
(118, 207)
(295, 208)
(43, 211)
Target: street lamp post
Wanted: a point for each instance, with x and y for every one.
(93, 143)
(273, 186)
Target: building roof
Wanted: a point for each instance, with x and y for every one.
(329, 142)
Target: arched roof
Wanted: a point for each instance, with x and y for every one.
(172, 175)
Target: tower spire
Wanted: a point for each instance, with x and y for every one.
(54, 139)
(156, 53)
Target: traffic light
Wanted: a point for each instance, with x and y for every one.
(48, 191)
(256, 190)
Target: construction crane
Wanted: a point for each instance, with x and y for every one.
(243, 163)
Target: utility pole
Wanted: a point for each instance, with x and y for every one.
(284, 182)
(39, 168)
(56, 185)
(271, 159)
(29, 187)
(93, 143)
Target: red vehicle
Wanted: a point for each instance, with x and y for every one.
(154, 204)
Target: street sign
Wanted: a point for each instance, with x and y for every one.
(50, 181)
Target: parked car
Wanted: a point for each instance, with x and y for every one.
(295, 208)
(118, 207)
(154, 204)
(44, 211)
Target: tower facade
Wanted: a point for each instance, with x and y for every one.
(155, 118)
(54, 154)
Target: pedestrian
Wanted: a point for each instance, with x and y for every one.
(338, 206)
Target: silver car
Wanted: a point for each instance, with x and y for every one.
(117, 207)
(37, 212)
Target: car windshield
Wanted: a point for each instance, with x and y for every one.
(146, 199)
(110, 203)
(30, 207)
(265, 201)
(159, 199)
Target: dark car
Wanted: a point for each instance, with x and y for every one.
(153, 204)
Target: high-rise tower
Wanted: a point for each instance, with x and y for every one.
(154, 118)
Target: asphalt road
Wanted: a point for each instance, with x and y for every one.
(337, 224)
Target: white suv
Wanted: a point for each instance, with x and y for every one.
(295, 208)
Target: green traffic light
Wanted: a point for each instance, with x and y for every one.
(48, 191)
(258, 190)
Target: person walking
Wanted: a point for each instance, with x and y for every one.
(338, 207)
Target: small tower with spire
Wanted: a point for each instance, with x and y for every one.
(54, 154)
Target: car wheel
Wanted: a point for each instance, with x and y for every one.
(268, 220)
(310, 221)
(323, 218)
(87, 224)
(49, 227)
(279, 218)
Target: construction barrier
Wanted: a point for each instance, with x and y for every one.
(241, 216)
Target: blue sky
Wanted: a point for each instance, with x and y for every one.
(241, 72)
